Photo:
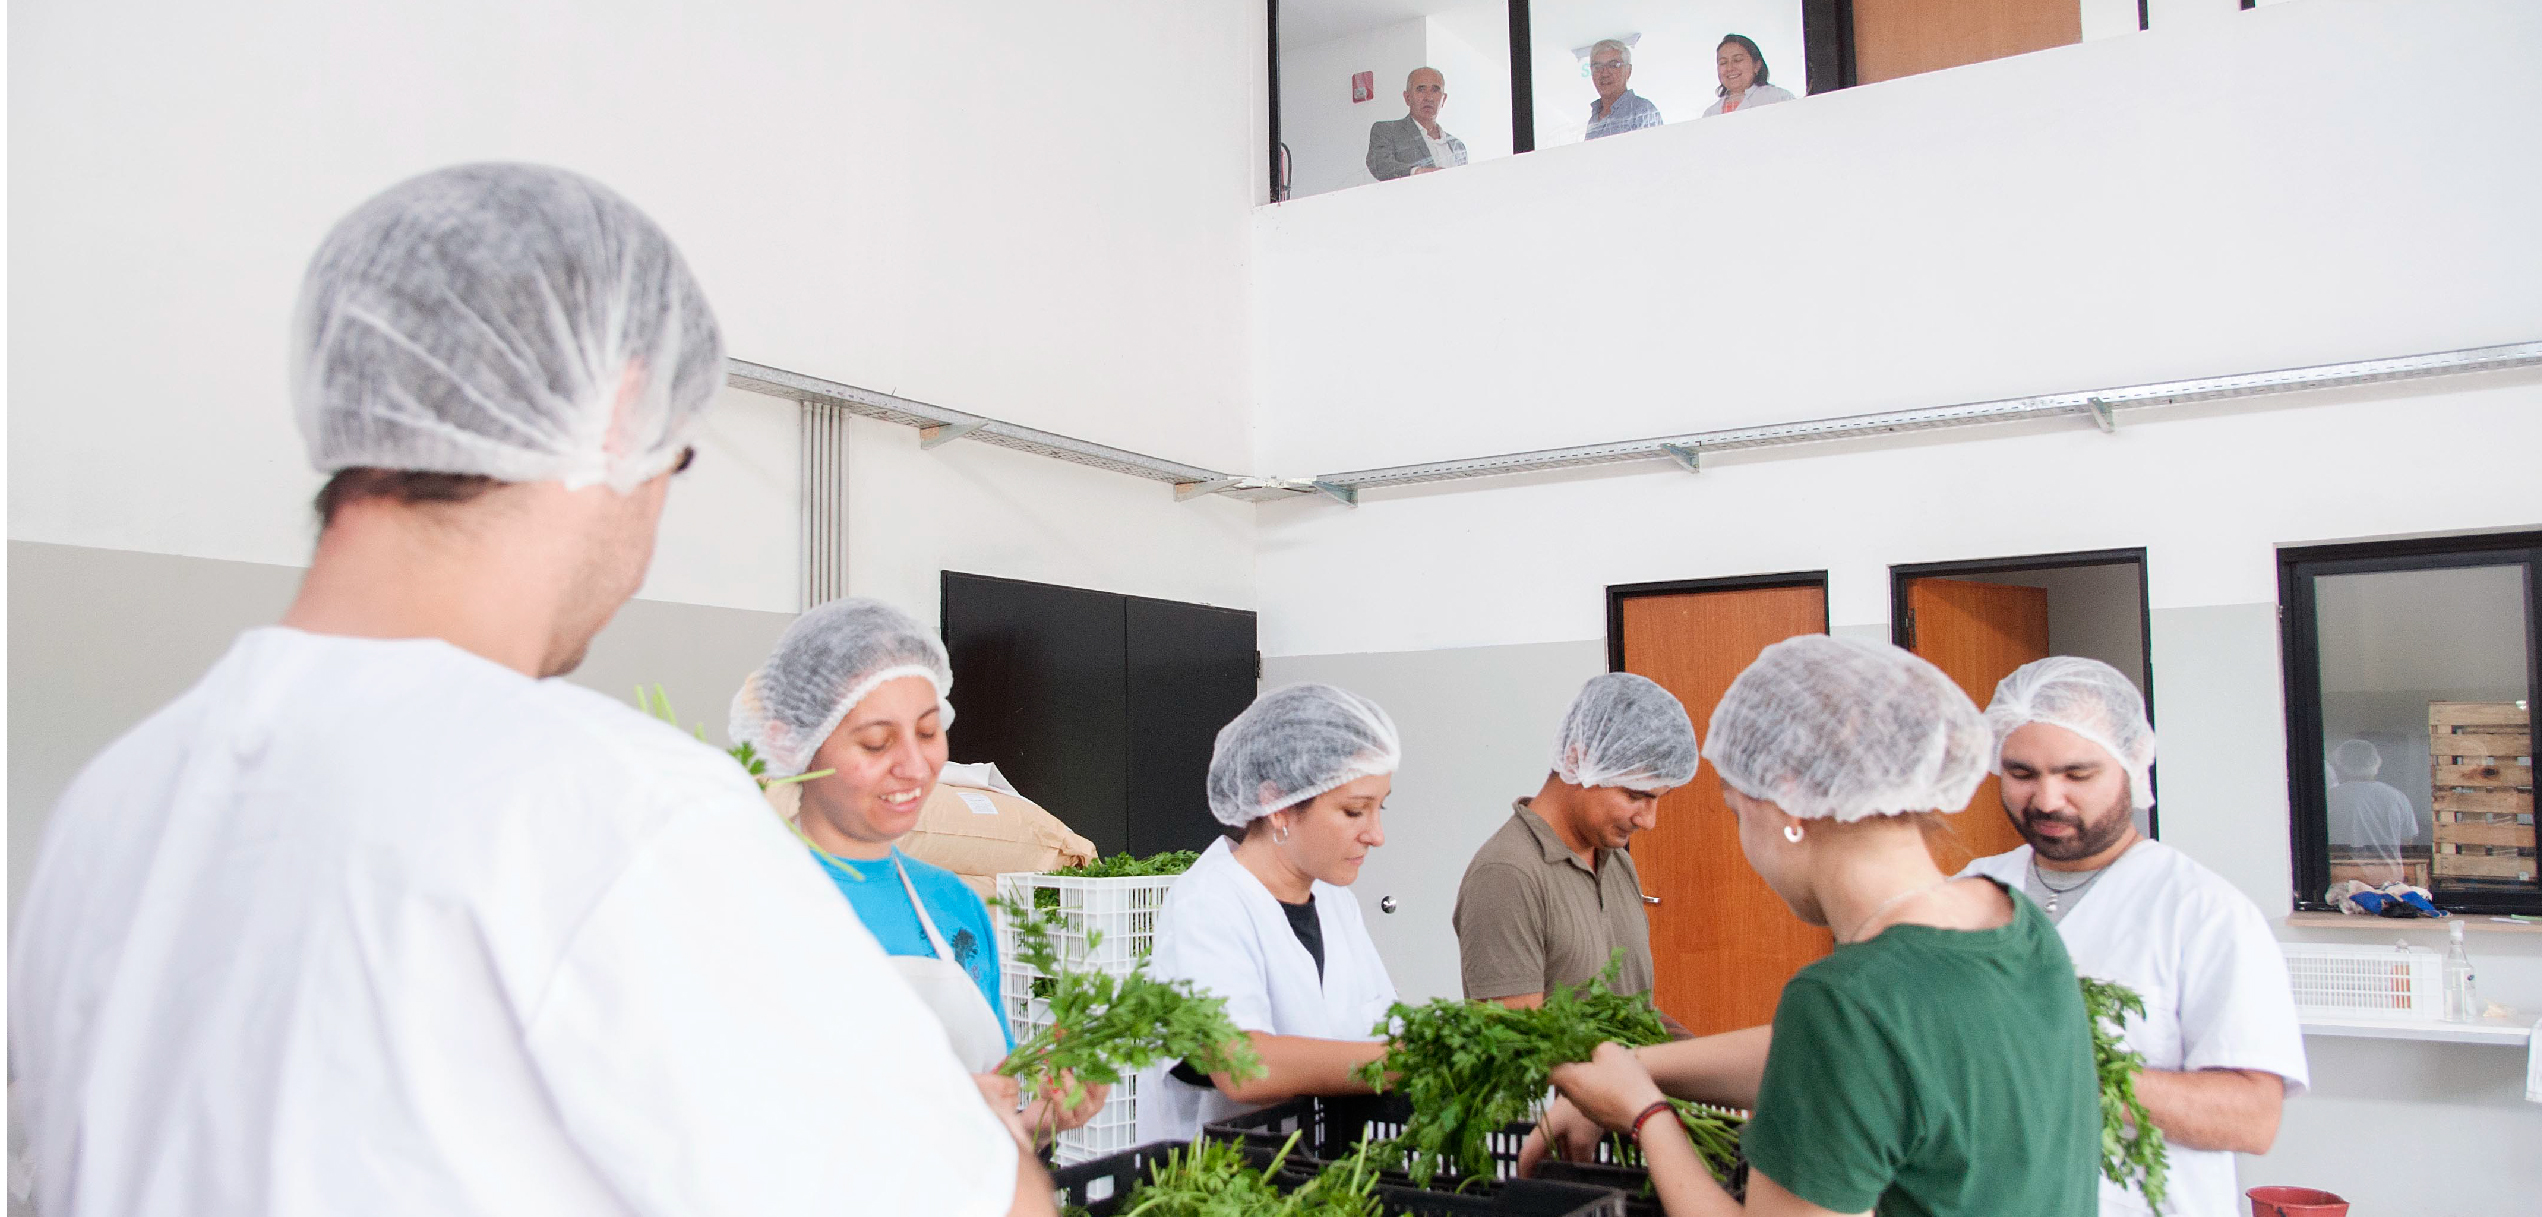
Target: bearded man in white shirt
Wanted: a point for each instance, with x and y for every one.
(377, 917)
(2222, 1047)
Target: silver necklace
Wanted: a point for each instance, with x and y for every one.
(2057, 895)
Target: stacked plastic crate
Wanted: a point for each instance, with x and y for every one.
(1101, 925)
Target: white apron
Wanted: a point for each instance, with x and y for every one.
(1223, 931)
(979, 1041)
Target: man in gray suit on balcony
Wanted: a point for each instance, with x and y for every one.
(1415, 143)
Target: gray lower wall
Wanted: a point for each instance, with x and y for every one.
(1478, 727)
(99, 638)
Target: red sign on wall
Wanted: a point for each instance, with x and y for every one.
(1363, 85)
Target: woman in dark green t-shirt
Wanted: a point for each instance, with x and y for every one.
(1939, 1061)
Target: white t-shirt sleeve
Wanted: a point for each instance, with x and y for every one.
(722, 1036)
(2237, 1008)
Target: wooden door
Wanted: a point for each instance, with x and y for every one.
(1894, 38)
(1722, 943)
(1977, 633)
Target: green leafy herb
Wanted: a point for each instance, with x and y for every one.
(1130, 866)
(1118, 866)
(2131, 1147)
(1471, 1067)
(1715, 1134)
(657, 702)
(1105, 1027)
(1212, 1179)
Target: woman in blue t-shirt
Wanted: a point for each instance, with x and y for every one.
(857, 688)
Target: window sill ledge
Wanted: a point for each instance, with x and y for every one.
(2473, 923)
(2498, 1032)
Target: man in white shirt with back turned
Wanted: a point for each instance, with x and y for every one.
(2222, 1047)
(377, 918)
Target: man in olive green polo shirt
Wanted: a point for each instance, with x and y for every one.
(1551, 896)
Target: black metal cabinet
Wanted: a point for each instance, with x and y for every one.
(1099, 706)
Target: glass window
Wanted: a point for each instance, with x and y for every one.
(2413, 678)
(1608, 67)
(1376, 90)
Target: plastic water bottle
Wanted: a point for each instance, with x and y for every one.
(2462, 993)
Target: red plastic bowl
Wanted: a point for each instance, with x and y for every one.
(2295, 1202)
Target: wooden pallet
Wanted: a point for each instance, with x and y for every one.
(2481, 759)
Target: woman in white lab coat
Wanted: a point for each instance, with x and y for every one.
(1264, 919)
(858, 689)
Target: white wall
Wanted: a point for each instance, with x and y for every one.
(2223, 197)
(887, 195)
(914, 514)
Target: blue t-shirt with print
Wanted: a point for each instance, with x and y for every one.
(959, 913)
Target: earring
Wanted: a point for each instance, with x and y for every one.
(1279, 833)
(1792, 833)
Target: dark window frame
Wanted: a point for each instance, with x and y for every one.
(1900, 633)
(2299, 642)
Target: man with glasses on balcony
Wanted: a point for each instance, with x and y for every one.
(1415, 143)
(1617, 109)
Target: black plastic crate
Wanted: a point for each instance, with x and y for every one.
(1333, 1127)
(1633, 1181)
(1102, 1187)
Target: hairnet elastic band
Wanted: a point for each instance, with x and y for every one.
(848, 701)
(1307, 794)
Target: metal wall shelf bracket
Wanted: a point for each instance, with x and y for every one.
(938, 426)
(1930, 418)
(945, 433)
(1185, 492)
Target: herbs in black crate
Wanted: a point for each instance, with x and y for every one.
(1212, 1179)
(1470, 1068)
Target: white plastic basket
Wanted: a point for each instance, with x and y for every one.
(1104, 925)
(2399, 983)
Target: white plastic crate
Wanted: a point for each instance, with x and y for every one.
(1104, 925)
(2400, 983)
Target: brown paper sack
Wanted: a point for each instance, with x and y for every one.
(977, 834)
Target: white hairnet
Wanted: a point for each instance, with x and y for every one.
(2355, 760)
(2086, 697)
(825, 663)
(514, 321)
(1624, 730)
(1828, 727)
(1293, 744)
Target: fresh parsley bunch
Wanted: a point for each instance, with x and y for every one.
(1104, 1027)
(2130, 1144)
(1131, 866)
(1470, 1068)
(1119, 866)
(1211, 1179)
